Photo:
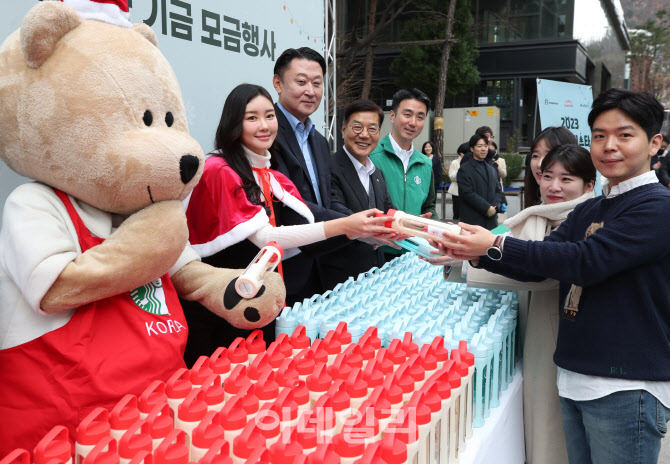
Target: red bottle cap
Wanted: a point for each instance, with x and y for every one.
(153, 396)
(427, 358)
(408, 346)
(275, 356)
(125, 413)
(214, 394)
(200, 371)
(285, 407)
(416, 370)
(363, 425)
(467, 357)
(93, 428)
(249, 400)
(356, 385)
(255, 343)
(331, 343)
(179, 385)
(236, 380)
(346, 447)
(55, 446)
(395, 353)
(266, 422)
(287, 374)
(393, 450)
(320, 353)
(421, 409)
(300, 392)
(459, 365)
(324, 413)
(237, 352)
(343, 335)
(159, 422)
(354, 356)
(248, 440)
(258, 367)
(305, 362)
(384, 363)
(324, 454)
(320, 380)
(219, 361)
(105, 452)
(339, 396)
(233, 416)
(371, 455)
(208, 431)
(368, 351)
(390, 213)
(404, 427)
(219, 453)
(284, 342)
(286, 450)
(306, 431)
(18, 456)
(267, 389)
(372, 375)
(380, 402)
(370, 337)
(299, 339)
(173, 450)
(134, 441)
(340, 369)
(431, 397)
(441, 384)
(393, 390)
(404, 379)
(438, 349)
(193, 408)
(143, 457)
(258, 456)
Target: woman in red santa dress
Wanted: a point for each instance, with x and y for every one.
(242, 203)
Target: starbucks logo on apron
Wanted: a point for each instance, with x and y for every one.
(417, 180)
(151, 298)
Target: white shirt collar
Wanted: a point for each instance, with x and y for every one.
(404, 155)
(627, 185)
(256, 160)
(368, 167)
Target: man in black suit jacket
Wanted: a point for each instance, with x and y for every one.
(303, 155)
(478, 187)
(358, 185)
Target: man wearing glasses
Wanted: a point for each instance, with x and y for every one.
(409, 173)
(358, 185)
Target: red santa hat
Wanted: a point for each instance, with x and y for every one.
(110, 11)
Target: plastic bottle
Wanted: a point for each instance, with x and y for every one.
(383, 363)
(417, 404)
(249, 401)
(499, 373)
(307, 433)
(343, 335)
(480, 379)
(238, 353)
(54, 447)
(236, 380)
(288, 449)
(324, 454)
(357, 388)
(454, 414)
(205, 435)
(416, 370)
(382, 407)
(318, 383)
(233, 419)
(177, 389)
(153, 396)
(250, 282)
(277, 353)
(442, 386)
(341, 403)
(439, 351)
(340, 369)
(372, 376)
(353, 356)
(267, 389)
(393, 450)
(91, 431)
(173, 450)
(469, 359)
(396, 354)
(405, 381)
(18, 456)
(301, 395)
(462, 370)
(258, 367)
(255, 344)
(418, 226)
(124, 414)
(200, 371)
(299, 339)
(433, 400)
(246, 442)
(305, 363)
(190, 412)
(348, 449)
(105, 452)
(404, 428)
(284, 409)
(220, 363)
(134, 441)
(287, 374)
(320, 353)
(332, 345)
(158, 424)
(213, 393)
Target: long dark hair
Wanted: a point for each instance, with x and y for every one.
(552, 136)
(228, 138)
(575, 159)
(432, 145)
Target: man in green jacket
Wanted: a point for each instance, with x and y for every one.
(408, 172)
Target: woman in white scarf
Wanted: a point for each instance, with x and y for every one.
(567, 179)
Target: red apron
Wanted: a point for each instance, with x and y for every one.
(109, 348)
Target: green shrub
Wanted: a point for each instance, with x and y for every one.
(515, 165)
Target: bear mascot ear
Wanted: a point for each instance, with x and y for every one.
(147, 32)
(43, 27)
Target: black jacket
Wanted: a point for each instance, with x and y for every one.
(478, 192)
(347, 192)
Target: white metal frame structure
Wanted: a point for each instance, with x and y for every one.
(330, 84)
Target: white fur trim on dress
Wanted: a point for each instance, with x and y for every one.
(106, 12)
(233, 236)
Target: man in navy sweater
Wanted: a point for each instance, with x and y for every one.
(611, 256)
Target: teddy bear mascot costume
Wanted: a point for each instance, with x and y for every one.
(94, 253)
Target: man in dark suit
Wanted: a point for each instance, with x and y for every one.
(359, 186)
(303, 155)
(478, 187)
